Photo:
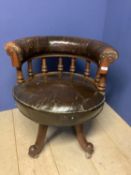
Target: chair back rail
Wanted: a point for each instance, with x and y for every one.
(26, 49)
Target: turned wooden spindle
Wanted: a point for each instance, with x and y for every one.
(20, 78)
(44, 65)
(102, 83)
(30, 72)
(87, 69)
(72, 66)
(60, 65)
(97, 78)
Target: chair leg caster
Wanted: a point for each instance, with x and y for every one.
(35, 149)
(85, 145)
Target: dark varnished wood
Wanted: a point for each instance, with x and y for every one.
(35, 149)
(86, 146)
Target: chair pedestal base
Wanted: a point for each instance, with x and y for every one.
(36, 149)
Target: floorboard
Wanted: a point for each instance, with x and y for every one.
(117, 129)
(26, 131)
(8, 152)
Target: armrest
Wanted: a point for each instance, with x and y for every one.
(23, 49)
(103, 53)
(15, 53)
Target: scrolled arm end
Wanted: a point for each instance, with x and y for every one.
(108, 56)
(14, 52)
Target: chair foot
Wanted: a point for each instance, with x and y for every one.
(86, 146)
(35, 149)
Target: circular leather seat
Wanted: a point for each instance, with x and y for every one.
(59, 98)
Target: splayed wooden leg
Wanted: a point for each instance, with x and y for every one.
(86, 146)
(35, 149)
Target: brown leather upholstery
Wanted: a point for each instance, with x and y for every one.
(59, 95)
(23, 49)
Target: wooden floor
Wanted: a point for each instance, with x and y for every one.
(62, 154)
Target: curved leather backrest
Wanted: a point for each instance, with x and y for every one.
(36, 46)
